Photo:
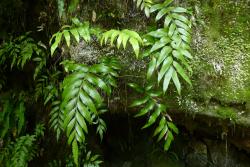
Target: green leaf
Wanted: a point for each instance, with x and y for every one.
(176, 82)
(168, 141)
(92, 92)
(151, 68)
(163, 55)
(181, 18)
(156, 7)
(157, 46)
(153, 117)
(173, 127)
(75, 33)
(139, 102)
(179, 10)
(187, 54)
(136, 87)
(56, 43)
(98, 82)
(182, 25)
(84, 33)
(181, 71)
(163, 132)
(167, 78)
(113, 36)
(167, 21)
(162, 12)
(160, 127)
(67, 37)
(147, 12)
(167, 2)
(135, 46)
(172, 29)
(149, 106)
(165, 66)
(75, 152)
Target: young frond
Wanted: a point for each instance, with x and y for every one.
(144, 5)
(77, 30)
(123, 37)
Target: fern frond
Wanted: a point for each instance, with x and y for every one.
(56, 118)
(144, 5)
(23, 151)
(92, 160)
(151, 105)
(170, 53)
(81, 98)
(76, 30)
(123, 37)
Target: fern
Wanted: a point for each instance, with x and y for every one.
(20, 152)
(12, 119)
(144, 5)
(152, 106)
(47, 86)
(92, 160)
(21, 50)
(76, 30)
(56, 118)
(23, 151)
(122, 37)
(81, 98)
(170, 51)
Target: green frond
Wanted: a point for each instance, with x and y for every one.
(81, 99)
(151, 105)
(123, 37)
(170, 53)
(76, 30)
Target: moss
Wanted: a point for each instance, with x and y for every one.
(222, 54)
(227, 113)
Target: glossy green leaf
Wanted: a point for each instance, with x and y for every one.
(163, 55)
(165, 66)
(67, 37)
(149, 106)
(181, 71)
(167, 78)
(168, 141)
(151, 68)
(176, 82)
(75, 34)
(135, 46)
(139, 102)
(75, 152)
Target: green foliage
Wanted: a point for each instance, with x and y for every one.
(56, 118)
(151, 104)
(12, 119)
(144, 5)
(81, 99)
(170, 45)
(77, 30)
(19, 51)
(122, 37)
(47, 86)
(92, 160)
(20, 152)
(60, 6)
